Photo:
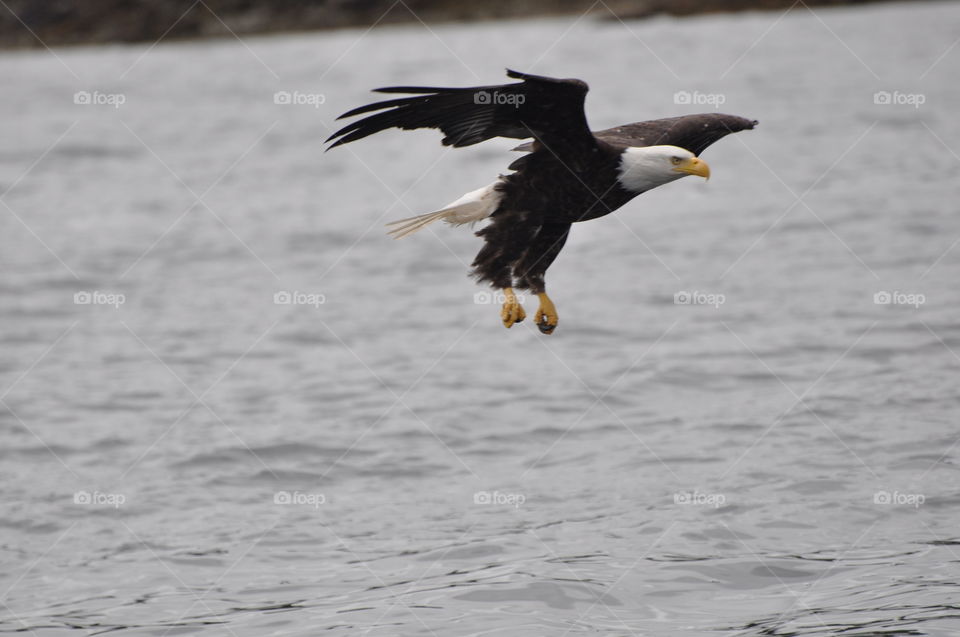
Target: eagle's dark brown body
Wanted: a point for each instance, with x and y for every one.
(541, 200)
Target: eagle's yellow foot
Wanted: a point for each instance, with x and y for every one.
(546, 317)
(512, 311)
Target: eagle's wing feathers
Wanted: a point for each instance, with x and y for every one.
(693, 132)
(549, 110)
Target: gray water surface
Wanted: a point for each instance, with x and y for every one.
(193, 457)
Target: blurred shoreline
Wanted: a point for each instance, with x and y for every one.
(38, 23)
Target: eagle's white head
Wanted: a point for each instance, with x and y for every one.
(646, 167)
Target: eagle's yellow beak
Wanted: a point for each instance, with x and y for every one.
(694, 166)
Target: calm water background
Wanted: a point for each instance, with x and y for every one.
(783, 464)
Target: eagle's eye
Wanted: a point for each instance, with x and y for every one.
(675, 160)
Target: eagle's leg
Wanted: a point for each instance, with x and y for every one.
(531, 269)
(505, 240)
(512, 311)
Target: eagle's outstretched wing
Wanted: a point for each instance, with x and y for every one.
(549, 110)
(693, 132)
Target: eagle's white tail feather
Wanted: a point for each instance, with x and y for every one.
(470, 208)
(405, 227)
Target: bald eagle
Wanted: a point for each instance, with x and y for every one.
(569, 173)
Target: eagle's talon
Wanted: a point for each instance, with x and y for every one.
(546, 324)
(546, 317)
(512, 311)
(512, 315)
